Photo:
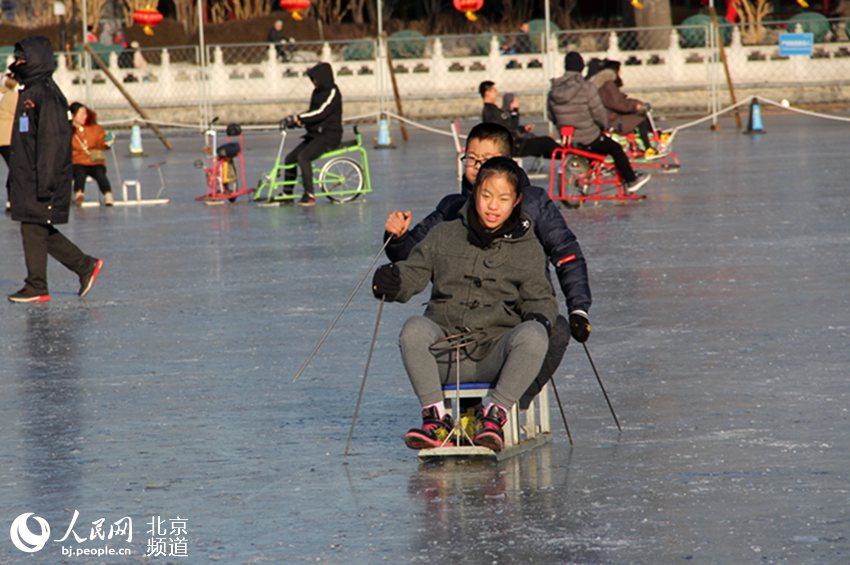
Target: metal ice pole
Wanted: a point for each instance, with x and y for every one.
(365, 373)
(563, 414)
(341, 311)
(203, 61)
(599, 380)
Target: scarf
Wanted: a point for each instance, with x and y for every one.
(481, 237)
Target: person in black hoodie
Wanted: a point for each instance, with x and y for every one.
(323, 121)
(40, 173)
(487, 140)
(525, 143)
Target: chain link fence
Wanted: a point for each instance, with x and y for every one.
(675, 68)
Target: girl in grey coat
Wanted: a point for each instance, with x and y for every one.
(488, 276)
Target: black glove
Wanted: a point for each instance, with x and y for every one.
(579, 327)
(288, 122)
(386, 282)
(538, 317)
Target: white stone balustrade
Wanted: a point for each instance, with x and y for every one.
(438, 76)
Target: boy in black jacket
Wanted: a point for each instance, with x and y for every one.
(488, 140)
(323, 121)
(525, 144)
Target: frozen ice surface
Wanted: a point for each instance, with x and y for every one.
(721, 326)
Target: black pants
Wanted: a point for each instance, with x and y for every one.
(643, 130)
(97, 172)
(558, 342)
(538, 146)
(607, 146)
(304, 154)
(41, 240)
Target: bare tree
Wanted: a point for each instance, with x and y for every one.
(517, 11)
(357, 7)
(653, 13)
(247, 9)
(331, 11)
(187, 15)
(752, 14)
(564, 12)
(35, 13)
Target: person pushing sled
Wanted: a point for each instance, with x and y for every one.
(488, 277)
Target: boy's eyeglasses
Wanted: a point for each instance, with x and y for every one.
(472, 162)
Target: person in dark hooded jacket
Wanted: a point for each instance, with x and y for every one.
(323, 121)
(525, 143)
(40, 172)
(488, 140)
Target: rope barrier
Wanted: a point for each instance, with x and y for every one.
(804, 112)
(139, 120)
(418, 125)
(421, 126)
(713, 115)
(748, 100)
(361, 117)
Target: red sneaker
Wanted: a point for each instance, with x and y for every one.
(433, 432)
(87, 281)
(489, 425)
(28, 296)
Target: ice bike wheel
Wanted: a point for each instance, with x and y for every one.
(341, 175)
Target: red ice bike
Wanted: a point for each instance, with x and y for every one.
(225, 173)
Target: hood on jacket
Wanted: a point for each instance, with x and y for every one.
(565, 86)
(594, 66)
(603, 76)
(38, 54)
(323, 74)
(507, 100)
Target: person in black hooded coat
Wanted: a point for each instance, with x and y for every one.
(40, 172)
(323, 121)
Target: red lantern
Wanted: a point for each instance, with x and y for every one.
(469, 7)
(296, 7)
(148, 18)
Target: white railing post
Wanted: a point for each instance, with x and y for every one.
(219, 79)
(167, 77)
(271, 69)
(495, 65)
(439, 72)
(613, 51)
(675, 57)
(735, 56)
(61, 75)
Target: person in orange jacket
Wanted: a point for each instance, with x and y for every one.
(8, 102)
(88, 145)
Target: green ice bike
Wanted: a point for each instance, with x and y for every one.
(340, 174)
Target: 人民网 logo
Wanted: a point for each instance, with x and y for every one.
(23, 538)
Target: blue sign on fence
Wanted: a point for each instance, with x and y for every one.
(796, 44)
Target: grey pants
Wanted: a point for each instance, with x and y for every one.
(513, 361)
